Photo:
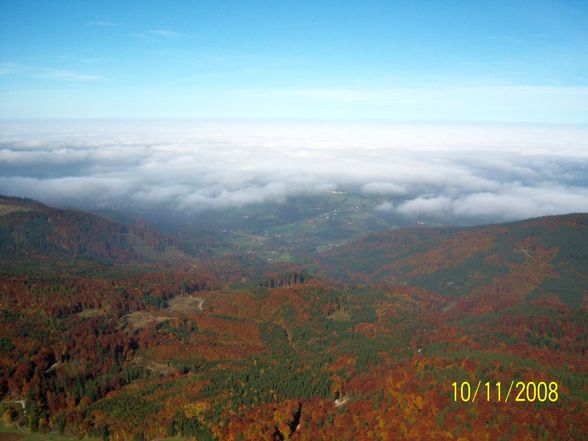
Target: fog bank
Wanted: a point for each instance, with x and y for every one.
(451, 171)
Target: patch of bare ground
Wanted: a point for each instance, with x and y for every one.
(186, 304)
(140, 319)
(341, 401)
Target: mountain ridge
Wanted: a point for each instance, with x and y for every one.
(451, 260)
(29, 228)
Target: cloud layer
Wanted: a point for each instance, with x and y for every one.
(450, 171)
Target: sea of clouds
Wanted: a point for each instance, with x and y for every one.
(494, 172)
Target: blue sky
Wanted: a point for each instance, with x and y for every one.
(513, 61)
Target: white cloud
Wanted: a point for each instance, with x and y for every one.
(160, 34)
(385, 188)
(63, 75)
(163, 33)
(426, 205)
(487, 172)
(512, 202)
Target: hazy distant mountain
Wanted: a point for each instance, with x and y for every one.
(29, 228)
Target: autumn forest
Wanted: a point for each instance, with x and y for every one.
(116, 332)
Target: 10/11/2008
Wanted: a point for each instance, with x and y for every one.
(523, 391)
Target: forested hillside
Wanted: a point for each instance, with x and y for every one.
(364, 343)
(502, 264)
(31, 229)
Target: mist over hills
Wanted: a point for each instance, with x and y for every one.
(502, 264)
(458, 173)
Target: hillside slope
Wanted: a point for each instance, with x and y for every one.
(238, 347)
(29, 229)
(506, 262)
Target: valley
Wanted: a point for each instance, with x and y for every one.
(359, 341)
